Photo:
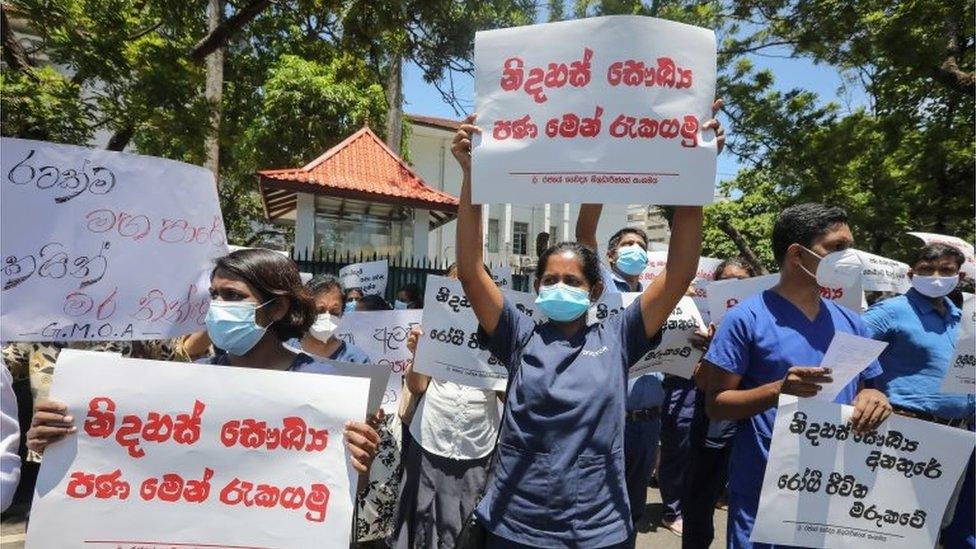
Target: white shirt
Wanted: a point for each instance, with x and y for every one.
(456, 421)
(9, 440)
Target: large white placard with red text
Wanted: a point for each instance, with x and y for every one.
(606, 106)
(190, 455)
(101, 245)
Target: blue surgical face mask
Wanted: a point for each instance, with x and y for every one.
(400, 305)
(563, 303)
(232, 327)
(350, 306)
(631, 260)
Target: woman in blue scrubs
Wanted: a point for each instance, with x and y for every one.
(558, 479)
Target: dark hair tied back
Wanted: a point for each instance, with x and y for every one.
(587, 258)
(272, 275)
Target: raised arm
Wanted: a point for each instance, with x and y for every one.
(660, 298)
(485, 298)
(586, 224)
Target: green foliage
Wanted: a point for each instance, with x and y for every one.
(43, 104)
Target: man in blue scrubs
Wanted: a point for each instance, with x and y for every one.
(626, 260)
(773, 343)
(921, 328)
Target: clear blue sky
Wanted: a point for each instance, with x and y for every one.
(826, 81)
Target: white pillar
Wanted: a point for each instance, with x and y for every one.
(506, 247)
(305, 224)
(566, 233)
(547, 222)
(421, 230)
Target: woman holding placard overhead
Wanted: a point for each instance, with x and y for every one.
(558, 476)
(258, 303)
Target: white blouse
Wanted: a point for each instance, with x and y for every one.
(456, 421)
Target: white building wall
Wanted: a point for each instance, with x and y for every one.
(430, 155)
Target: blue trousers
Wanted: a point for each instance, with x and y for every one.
(679, 402)
(640, 449)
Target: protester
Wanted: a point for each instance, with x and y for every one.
(375, 517)
(353, 295)
(408, 297)
(258, 303)
(9, 440)
(372, 302)
(559, 476)
(710, 444)
(768, 345)
(626, 261)
(627, 257)
(320, 340)
(921, 329)
(454, 429)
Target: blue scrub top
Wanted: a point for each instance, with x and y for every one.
(920, 344)
(559, 469)
(760, 339)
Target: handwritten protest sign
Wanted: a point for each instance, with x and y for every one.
(382, 335)
(502, 277)
(674, 355)
(969, 267)
(450, 349)
(572, 108)
(827, 486)
(725, 294)
(881, 274)
(370, 277)
(658, 260)
(960, 377)
(101, 245)
(196, 456)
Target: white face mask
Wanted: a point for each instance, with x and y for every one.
(934, 286)
(838, 269)
(323, 327)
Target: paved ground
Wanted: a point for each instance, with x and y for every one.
(652, 534)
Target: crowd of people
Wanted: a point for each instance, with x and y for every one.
(564, 455)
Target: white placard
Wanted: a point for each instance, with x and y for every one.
(370, 277)
(725, 294)
(196, 455)
(969, 267)
(450, 349)
(881, 274)
(847, 356)
(610, 303)
(826, 486)
(675, 354)
(658, 260)
(960, 377)
(502, 277)
(100, 245)
(571, 110)
(377, 374)
(382, 335)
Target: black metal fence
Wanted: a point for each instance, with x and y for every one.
(403, 270)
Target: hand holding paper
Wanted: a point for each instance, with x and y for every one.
(847, 356)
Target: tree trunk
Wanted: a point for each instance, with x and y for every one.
(13, 52)
(217, 35)
(120, 139)
(743, 246)
(214, 91)
(394, 98)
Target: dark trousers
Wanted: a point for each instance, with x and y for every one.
(960, 531)
(708, 472)
(679, 401)
(640, 449)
